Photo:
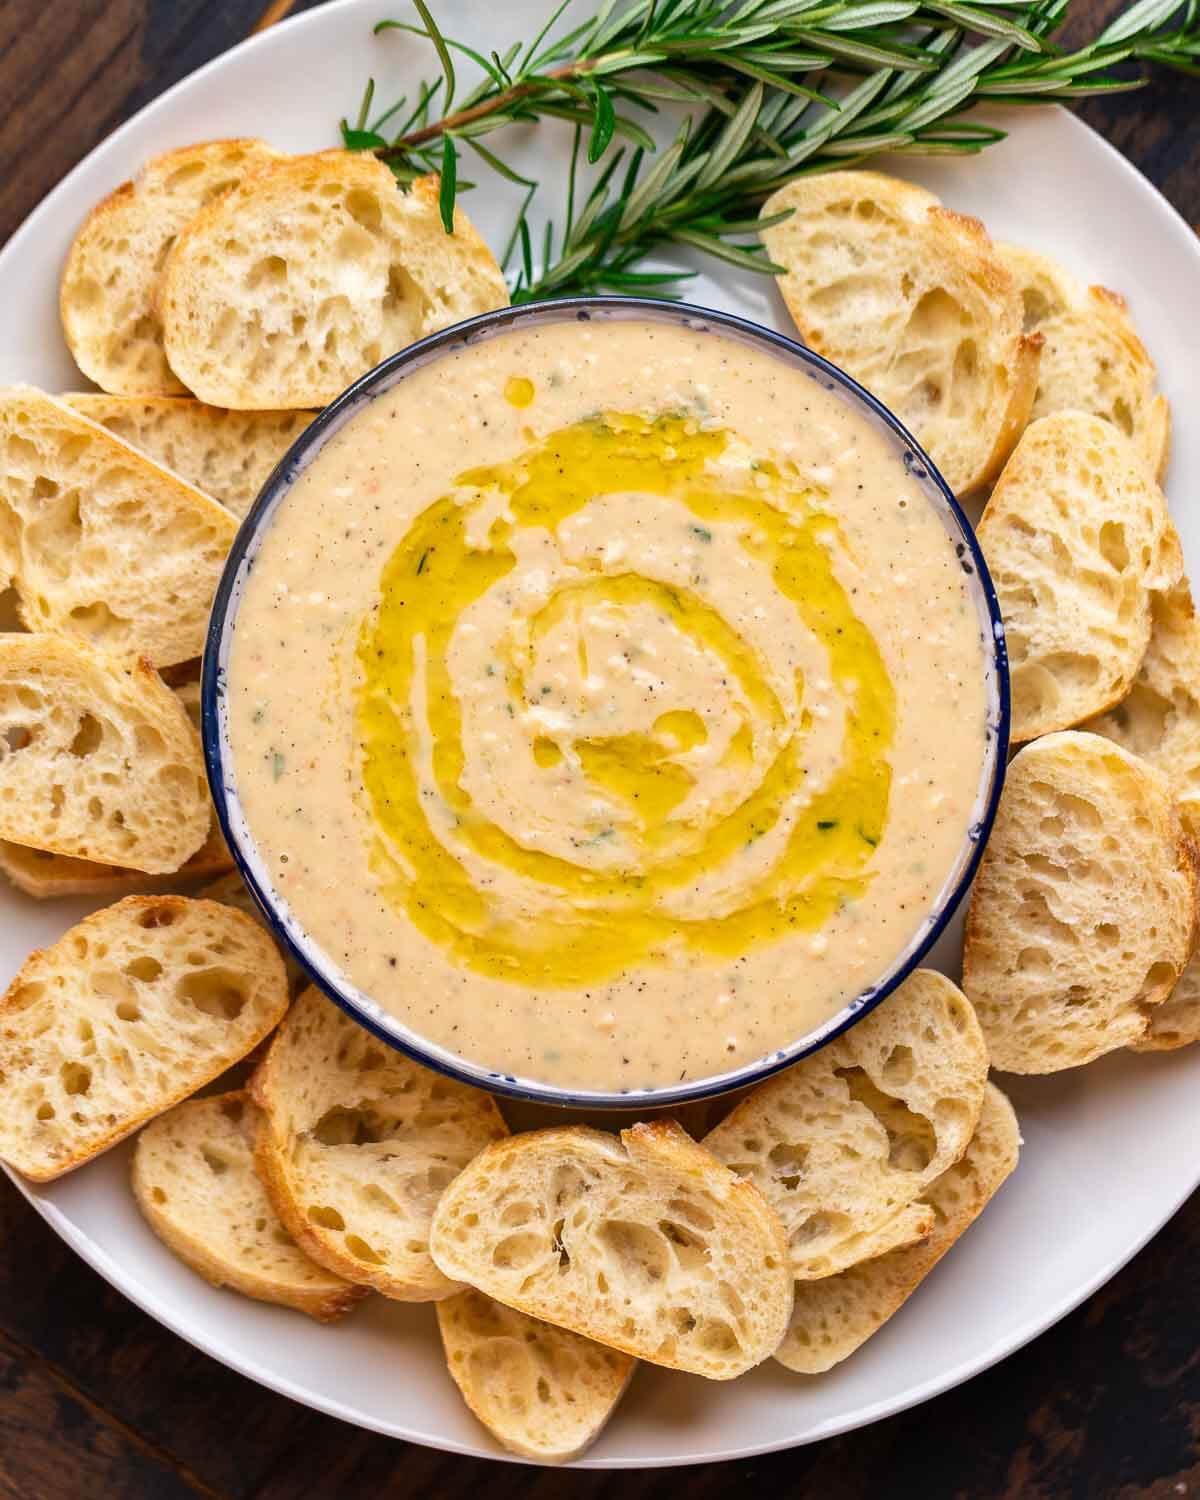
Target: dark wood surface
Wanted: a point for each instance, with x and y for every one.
(97, 1400)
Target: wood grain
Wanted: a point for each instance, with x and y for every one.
(98, 1400)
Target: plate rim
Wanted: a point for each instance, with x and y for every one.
(130, 1284)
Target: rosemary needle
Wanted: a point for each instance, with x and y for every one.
(773, 88)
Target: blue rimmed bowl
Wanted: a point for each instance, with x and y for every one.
(221, 762)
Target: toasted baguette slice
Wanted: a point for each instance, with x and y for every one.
(1082, 913)
(227, 454)
(300, 280)
(101, 542)
(844, 1144)
(194, 1180)
(356, 1145)
(130, 1011)
(231, 889)
(97, 758)
(837, 1315)
(1076, 535)
(541, 1391)
(107, 294)
(642, 1241)
(46, 876)
(1160, 718)
(912, 301)
(1092, 358)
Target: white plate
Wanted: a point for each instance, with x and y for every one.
(1110, 1150)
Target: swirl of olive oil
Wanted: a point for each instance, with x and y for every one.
(591, 924)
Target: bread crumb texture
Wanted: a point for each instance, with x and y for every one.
(358, 1143)
(644, 1242)
(836, 1315)
(292, 285)
(1082, 915)
(195, 1182)
(1076, 536)
(110, 283)
(98, 759)
(227, 454)
(542, 1392)
(912, 300)
(1092, 358)
(844, 1144)
(130, 1011)
(100, 542)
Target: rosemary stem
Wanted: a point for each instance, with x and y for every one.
(405, 143)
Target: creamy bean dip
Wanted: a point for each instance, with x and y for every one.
(607, 701)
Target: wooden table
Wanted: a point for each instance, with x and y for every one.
(97, 1400)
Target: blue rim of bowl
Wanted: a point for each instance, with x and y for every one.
(218, 755)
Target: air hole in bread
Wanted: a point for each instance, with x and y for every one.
(517, 1251)
(341, 1126)
(717, 1337)
(45, 1110)
(691, 1213)
(1160, 977)
(911, 1139)
(215, 1163)
(217, 992)
(556, 1240)
(689, 1250)
(144, 968)
(375, 1197)
(787, 1161)
(364, 208)
(359, 1248)
(640, 1252)
(18, 737)
(1113, 546)
(21, 995)
(271, 269)
(94, 620)
(88, 736)
(76, 1077)
(326, 1218)
(156, 916)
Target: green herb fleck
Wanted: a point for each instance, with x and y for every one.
(826, 824)
(278, 764)
(701, 533)
(867, 839)
(423, 560)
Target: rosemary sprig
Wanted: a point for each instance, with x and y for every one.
(772, 88)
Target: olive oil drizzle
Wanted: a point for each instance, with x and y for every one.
(584, 922)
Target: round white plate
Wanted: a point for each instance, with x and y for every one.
(1110, 1150)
